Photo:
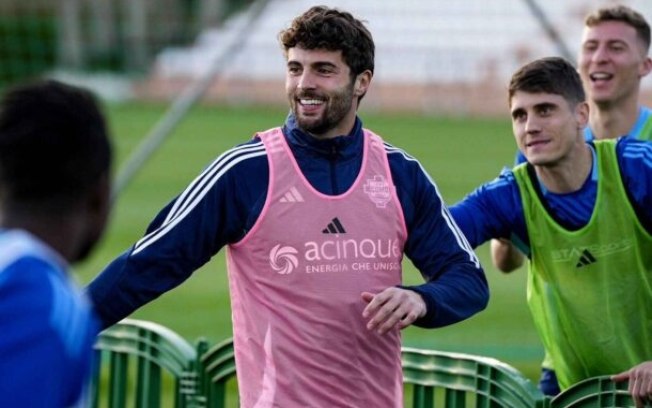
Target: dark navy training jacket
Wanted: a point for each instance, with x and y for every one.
(222, 204)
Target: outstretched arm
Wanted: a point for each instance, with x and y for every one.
(160, 261)
(213, 211)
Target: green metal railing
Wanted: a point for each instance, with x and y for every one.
(216, 367)
(595, 392)
(466, 380)
(152, 349)
(134, 356)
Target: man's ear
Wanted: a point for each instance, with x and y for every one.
(362, 82)
(582, 114)
(646, 67)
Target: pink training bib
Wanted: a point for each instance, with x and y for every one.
(296, 280)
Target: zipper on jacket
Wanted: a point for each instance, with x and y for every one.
(333, 161)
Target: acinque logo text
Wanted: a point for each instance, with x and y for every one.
(338, 256)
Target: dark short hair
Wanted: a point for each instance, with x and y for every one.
(326, 28)
(625, 15)
(553, 75)
(54, 143)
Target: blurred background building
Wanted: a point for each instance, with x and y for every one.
(434, 56)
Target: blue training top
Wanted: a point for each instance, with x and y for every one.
(47, 328)
(494, 210)
(221, 205)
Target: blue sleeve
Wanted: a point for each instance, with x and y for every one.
(493, 210)
(456, 287)
(214, 210)
(41, 365)
(635, 162)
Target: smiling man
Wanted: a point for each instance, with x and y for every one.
(582, 212)
(613, 60)
(317, 216)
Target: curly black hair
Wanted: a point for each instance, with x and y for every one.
(330, 29)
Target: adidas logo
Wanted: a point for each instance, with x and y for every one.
(586, 258)
(291, 196)
(334, 227)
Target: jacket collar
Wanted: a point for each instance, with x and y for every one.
(343, 147)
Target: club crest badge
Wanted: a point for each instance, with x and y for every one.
(378, 191)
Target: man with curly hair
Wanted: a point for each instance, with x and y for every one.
(316, 215)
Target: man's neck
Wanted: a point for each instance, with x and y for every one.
(60, 233)
(569, 174)
(609, 121)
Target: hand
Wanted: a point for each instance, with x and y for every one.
(640, 382)
(392, 307)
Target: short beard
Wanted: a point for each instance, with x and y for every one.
(340, 105)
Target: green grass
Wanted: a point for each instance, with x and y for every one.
(458, 153)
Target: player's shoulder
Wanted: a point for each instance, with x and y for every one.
(634, 155)
(25, 282)
(506, 177)
(35, 285)
(241, 159)
(30, 268)
(500, 189)
(631, 147)
(400, 160)
(407, 171)
(250, 151)
(20, 251)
